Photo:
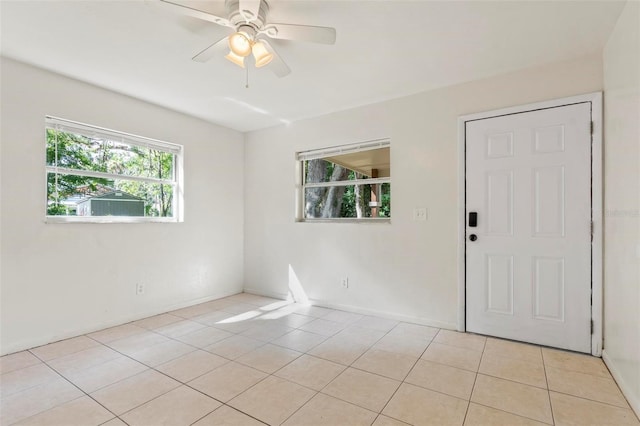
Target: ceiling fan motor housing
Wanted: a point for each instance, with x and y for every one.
(239, 18)
(249, 30)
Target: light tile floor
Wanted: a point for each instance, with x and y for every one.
(251, 360)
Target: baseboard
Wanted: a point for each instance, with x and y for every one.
(633, 400)
(384, 314)
(33, 343)
(273, 295)
(359, 310)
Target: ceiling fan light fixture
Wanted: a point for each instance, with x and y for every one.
(240, 44)
(238, 60)
(260, 53)
(252, 27)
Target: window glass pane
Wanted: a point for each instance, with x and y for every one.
(355, 165)
(351, 201)
(69, 195)
(79, 152)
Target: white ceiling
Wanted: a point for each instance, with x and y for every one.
(384, 49)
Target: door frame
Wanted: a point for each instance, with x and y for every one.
(596, 203)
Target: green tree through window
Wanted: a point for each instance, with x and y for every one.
(348, 181)
(84, 171)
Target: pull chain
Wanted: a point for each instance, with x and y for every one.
(247, 79)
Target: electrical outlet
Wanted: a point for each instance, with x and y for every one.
(139, 288)
(420, 214)
(345, 282)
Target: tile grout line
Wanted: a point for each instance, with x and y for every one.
(162, 373)
(182, 383)
(281, 378)
(546, 380)
(271, 375)
(315, 356)
(475, 379)
(234, 334)
(98, 344)
(351, 364)
(72, 384)
(199, 391)
(509, 412)
(579, 396)
(459, 347)
(512, 381)
(403, 380)
(233, 408)
(593, 400)
(339, 374)
(494, 408)
(488, 374)
(154, 368)
(264, 343)
(507, 380)
(459, 368)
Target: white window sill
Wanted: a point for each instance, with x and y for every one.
(347, 220)
(108, 219)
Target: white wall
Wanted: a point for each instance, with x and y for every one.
(622, 203)
(60, 280)
(404, 269)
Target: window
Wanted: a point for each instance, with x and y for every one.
(346, 182)
(100, 175)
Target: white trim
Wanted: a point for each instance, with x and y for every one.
(301, 186)
(109, 219)
(596, 214)
(91, 131)
(462, 229)
(627, 391)
(363, 220)
(91, 173)
(384, 314)
(597, 267)
(371, 181)
(177, 181)
(588, 97)
(342, 149)
(299, 191)
(271, 294)
(358, 310)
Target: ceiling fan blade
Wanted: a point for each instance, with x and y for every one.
(277, 65)
(324, 35)
(195, 13)
(249, 9)
(216, 48)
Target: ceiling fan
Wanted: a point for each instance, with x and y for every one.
(249, 19)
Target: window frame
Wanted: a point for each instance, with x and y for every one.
(91, 131)
(322, 153)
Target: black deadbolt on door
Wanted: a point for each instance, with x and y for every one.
(473, 219)
(473, 223)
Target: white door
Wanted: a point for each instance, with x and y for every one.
(528, 272)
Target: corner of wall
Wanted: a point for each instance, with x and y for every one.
(621, 66)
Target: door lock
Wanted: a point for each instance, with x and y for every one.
(473, 219)
(473, 237)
